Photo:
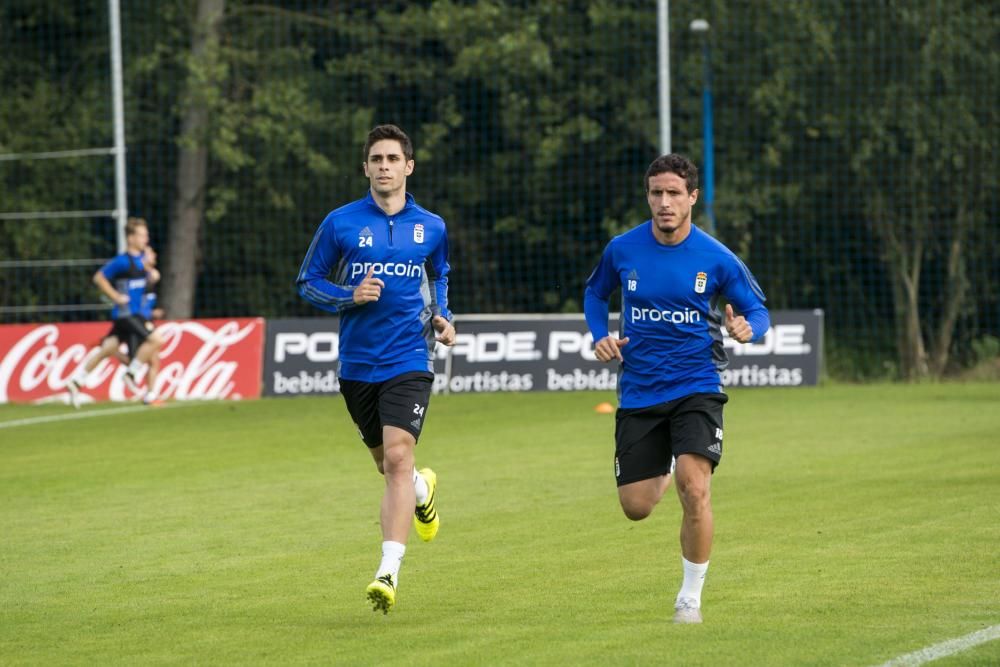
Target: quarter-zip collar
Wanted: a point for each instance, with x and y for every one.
(410, 203)
(391, 219)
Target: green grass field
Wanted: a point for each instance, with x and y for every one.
(853, 524)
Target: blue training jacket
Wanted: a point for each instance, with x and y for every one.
(409, 252)
(127, 274)
(671, 312)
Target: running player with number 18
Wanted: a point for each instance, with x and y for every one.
(673, 277)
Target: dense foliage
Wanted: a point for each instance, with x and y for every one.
(854, 147)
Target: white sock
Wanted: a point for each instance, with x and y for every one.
(694, 579)
(135, 367)
(420, 486)
(392, 558)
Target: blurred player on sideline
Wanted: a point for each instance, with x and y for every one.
(381, 262)
(124, 280)
(672, 276)
(150, 311)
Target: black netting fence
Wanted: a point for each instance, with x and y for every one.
(855, 166)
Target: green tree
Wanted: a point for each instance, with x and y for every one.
(854, 161)
(250, 121)
(202, 93)
(922, 148)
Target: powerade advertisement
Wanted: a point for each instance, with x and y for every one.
(534, 353)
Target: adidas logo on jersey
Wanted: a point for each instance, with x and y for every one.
(365, 238)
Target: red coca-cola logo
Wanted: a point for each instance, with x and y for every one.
(200, 359)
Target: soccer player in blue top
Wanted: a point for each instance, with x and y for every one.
(672, 276)
(124, 280)
(381, 262)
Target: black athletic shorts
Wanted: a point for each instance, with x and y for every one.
(132, 331)
(646, 438)
(400, 401)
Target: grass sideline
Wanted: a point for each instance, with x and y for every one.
(853, 524)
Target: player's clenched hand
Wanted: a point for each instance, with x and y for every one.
(737, 327)
(609, 348)
(122, 299)
(369, 289)
(445, 330)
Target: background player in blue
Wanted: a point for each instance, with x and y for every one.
(672, 276)
(125, 280)
(382, 263)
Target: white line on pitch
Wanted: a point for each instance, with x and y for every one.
(944, 649)
(86, 415)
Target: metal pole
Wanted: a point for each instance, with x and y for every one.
(709, 141)
(701, 27)
(663, 40)
(118, 115)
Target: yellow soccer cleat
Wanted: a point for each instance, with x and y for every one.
(382, 593)
(425, 517)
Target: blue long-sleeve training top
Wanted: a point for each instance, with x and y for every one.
(409, 252)
(127, 274)
(671, 312)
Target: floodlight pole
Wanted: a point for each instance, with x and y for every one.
(663, 42)
(702, 27)
(118, 117)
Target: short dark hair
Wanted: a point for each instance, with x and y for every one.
(133, 224)
(382, 132)
(674, 163)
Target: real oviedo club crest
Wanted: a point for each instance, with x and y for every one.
(418, 233)
(700, 281)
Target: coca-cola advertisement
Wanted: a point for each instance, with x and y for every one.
(199, 360)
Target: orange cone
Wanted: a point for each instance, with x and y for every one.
(604, 408)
